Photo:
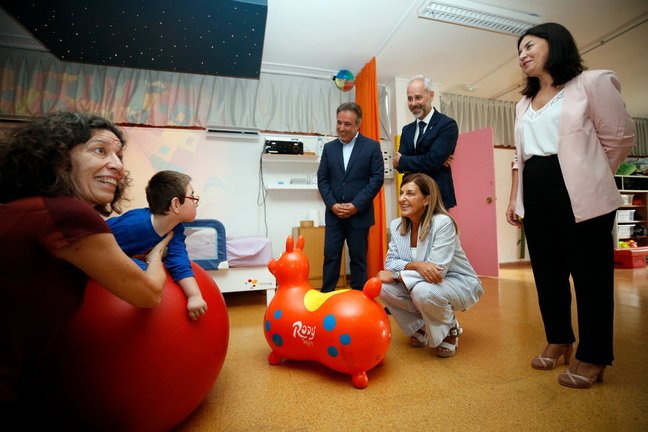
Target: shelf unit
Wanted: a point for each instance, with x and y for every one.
(283, 186)
(635, 192)
(276, 158)
(277, 166)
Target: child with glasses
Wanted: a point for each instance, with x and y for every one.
(171, 201)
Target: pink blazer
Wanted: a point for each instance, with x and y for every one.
(596, 134)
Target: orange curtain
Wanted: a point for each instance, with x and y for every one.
(398, 177)
(367, 97)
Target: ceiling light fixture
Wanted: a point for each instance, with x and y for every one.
(478, 15)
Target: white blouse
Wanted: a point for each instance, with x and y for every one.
(540, 129)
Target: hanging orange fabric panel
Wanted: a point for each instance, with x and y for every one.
(367, 97)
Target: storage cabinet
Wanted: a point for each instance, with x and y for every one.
(632, 216)
(314, 250)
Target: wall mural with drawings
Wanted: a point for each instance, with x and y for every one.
(224, 174)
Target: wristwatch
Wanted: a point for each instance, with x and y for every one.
(396, 275)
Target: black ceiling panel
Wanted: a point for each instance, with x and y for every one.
(212, 37)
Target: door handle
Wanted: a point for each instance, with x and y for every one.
(489, 200)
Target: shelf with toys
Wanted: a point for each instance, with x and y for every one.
(631, 223)
(632, 216)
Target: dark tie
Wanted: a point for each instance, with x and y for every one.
(421, 133)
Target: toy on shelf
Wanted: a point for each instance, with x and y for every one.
(624, 244)
(345, 330)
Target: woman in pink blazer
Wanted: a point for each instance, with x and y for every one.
(571, 133)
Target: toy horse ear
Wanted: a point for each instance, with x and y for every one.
(300, 242)
(289, 243)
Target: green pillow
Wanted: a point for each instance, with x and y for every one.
(626, 169)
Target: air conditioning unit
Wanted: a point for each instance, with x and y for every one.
(232, 133)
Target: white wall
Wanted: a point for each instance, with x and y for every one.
(286, 208)
(226, 174)
(508, 236)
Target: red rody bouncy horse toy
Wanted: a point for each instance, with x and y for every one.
(345, 330)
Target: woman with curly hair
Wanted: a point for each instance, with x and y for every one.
(57, 175)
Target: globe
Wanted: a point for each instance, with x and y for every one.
(344, 80)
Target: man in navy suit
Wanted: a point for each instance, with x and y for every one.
(428, 147)
(350, 175)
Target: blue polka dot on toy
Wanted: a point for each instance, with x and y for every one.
(345, 339)
(329, 322)
(277, 339)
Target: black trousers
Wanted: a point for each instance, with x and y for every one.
(357, 240)
(559, 248)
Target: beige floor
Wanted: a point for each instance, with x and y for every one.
(488, 386)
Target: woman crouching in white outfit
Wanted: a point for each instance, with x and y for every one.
(427, 275)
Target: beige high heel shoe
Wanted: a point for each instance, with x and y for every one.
(419, 339)
(543, 362)
(573, 380)
(446, 348)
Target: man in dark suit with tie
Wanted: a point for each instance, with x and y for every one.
(427, 144)
(350, 175)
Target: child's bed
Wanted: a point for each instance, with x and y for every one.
(236, 264)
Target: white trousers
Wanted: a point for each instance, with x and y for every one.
(427, 304)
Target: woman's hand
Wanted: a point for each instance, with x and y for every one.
(511, 217)
(101, 258)
(431, 272)
(385, 276)
(156, 253)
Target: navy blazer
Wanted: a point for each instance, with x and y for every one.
(438, 143)
(358, 184)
